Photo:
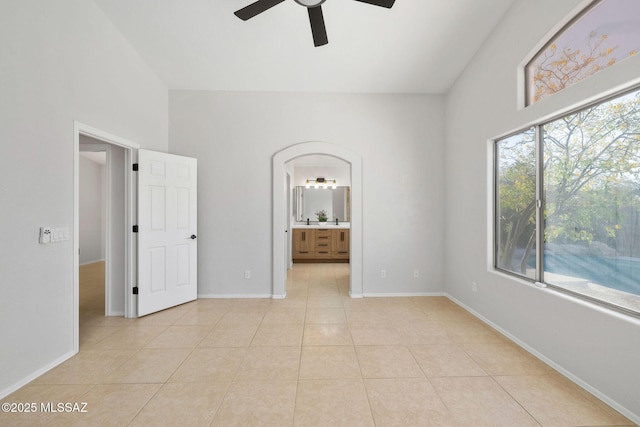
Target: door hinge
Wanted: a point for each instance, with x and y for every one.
(135, 228)
(135, 167)
(135, 290)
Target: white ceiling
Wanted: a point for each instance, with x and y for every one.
(418, 46)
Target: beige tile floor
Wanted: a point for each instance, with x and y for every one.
(317, 358)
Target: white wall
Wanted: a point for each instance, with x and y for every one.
(234, 136)
(59, 62)
(597, 347)
(91, 211)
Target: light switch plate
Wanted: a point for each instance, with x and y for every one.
(59, 234)
(54, 235)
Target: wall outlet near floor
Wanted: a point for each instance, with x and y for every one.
(416, 273)
(474, 286)
(383, 274)
(247, 274)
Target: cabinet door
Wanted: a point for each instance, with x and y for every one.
(340, 243)
(303, 243)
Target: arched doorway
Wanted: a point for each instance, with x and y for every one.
(279, 212)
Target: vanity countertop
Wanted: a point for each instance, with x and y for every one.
(324, 225)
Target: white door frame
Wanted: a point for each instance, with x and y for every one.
(130, 147)
(288, 225)
(279, 214)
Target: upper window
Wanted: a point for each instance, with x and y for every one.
(605, 33)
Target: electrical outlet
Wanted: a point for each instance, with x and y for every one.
(247, 274)
(416, 273)
(474, 287)
(383, 274)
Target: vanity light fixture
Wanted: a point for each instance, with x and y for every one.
(321, 183)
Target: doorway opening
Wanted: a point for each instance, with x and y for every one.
(282, 220)
(113, 240)
(92, 235)
(102, 229)
(318, 209)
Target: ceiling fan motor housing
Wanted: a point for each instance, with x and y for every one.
(310, 3)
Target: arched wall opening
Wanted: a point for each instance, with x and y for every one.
(280, 216)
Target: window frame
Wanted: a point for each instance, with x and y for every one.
(574, 16)
(582, 9)
(539, 279)
(496, 205)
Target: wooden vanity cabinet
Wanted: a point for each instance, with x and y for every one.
(320, 245)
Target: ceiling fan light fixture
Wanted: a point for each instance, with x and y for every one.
(310, 3)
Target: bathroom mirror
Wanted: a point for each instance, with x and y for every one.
(335, 201)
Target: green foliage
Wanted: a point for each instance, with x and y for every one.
(322, 215)
(591, 180)
(516, 186)
(591, 165)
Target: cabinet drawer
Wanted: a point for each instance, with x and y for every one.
(304, 255)
(324, 233)
(322, 246)
(341, 255)
(324, 254)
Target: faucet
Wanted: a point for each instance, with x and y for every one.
(336, 220)
(307, 221)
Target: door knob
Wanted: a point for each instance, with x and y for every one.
(193, 237)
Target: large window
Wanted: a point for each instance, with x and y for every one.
(605, 33)
(572, 186)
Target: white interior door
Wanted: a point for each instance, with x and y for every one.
(167, 230)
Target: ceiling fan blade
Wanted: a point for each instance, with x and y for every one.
(318, 29)
(256, 8)
(381, 3)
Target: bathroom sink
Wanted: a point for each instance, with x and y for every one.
(324, 225)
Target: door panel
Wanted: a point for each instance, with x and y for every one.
(167, 220)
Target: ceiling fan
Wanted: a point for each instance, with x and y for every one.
(314, 8)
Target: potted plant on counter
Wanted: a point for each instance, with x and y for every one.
(322, 215)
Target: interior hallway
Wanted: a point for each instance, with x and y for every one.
(316, 358)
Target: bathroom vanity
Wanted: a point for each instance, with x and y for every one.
(321, 243)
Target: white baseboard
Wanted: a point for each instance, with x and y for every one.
(91, 262)
(7, 391)
(116, 314)
(227, 296)
(403, 294)
(615, 405)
